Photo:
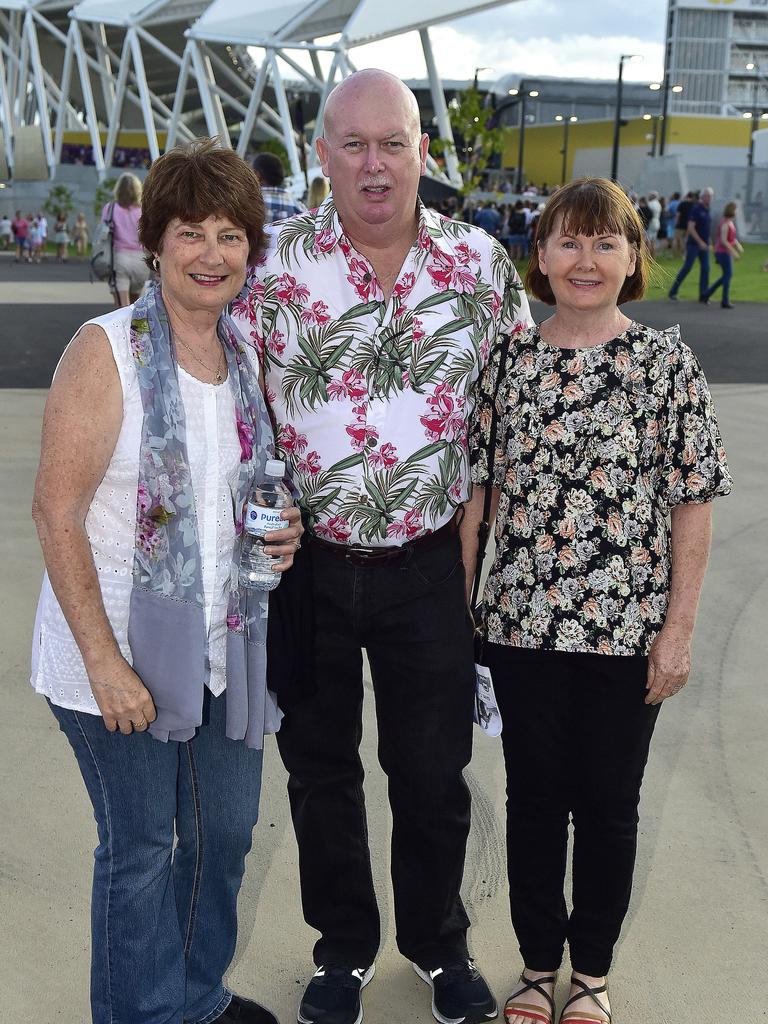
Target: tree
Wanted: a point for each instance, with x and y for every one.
(476, 133)
(105, 192)
(60, 200)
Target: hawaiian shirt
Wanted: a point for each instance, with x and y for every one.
(371, 398)
(279, 204)
(594, 447)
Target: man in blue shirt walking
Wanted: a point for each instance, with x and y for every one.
(697, 245)
(489, 219)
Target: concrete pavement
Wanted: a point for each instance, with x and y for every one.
(693, 947)
(44, 305)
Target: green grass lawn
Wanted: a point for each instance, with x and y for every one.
(748, 284)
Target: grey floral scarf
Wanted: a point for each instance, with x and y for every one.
(166, 625)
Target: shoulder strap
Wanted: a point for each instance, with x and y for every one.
(484, 528)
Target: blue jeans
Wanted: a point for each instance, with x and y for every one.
(164, 921)
(692, 253)
(725, 262)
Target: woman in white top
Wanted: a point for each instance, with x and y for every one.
(152, 662)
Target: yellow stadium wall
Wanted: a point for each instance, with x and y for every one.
(542, 156)
(129, 139)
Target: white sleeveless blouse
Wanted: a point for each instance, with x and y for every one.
(213, 450)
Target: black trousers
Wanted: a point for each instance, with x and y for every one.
(576, 737)
(413, 622)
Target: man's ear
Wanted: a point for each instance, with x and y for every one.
(323, 152)
(424, 151)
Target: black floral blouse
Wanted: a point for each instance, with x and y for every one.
(594, 447)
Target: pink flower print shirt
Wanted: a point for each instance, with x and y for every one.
(371, 398)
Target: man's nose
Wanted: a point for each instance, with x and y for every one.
(373, 161)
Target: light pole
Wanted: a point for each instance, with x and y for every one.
(753, 116)
(521, 139)
(665, 80)
(477, 72)
(567, 122)
(617, 121)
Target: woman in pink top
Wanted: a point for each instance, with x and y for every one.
(131, 271)
(727, 249)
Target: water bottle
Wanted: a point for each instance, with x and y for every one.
(262, 514)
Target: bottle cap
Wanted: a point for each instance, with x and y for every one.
(275, 467)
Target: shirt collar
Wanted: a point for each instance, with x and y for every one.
(329, 231)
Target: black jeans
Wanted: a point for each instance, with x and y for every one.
(412, 619)
(576, 737)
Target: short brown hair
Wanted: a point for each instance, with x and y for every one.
(591, 206)
(197, 181)
(730, 209)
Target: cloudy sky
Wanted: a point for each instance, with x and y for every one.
(570, 38)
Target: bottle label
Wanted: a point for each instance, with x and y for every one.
(260, 520)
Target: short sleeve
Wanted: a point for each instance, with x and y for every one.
(486, 454)
(695, 466)
(514, 312)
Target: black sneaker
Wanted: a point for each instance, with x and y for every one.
(460, 994)
(245, 1011)
(333, 995)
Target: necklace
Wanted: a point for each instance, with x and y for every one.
(217, 374)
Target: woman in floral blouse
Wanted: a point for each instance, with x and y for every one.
(605, 433)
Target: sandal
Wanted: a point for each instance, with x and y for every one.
(578, 1016)
(514, 1008)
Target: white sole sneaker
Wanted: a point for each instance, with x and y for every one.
(425, 976)
(365, 977)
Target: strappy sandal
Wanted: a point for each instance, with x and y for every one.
(514, 1008)
(578, 1016)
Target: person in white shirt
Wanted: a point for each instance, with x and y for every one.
(5, 231)
(652, 230)
(154, 432)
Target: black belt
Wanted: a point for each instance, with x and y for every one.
(365, 557)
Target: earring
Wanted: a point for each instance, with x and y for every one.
(156, 265)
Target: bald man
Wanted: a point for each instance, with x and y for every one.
(374, 318)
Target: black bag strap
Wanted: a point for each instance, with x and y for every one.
(112, 277)
(485, 526)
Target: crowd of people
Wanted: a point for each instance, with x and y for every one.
(680, 225)
(388, 355)
(28, 235)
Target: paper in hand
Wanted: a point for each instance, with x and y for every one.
(487, 714)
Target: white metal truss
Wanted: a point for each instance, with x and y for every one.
(110, 55)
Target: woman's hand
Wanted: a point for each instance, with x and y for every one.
(124, 701)
(669, 663)
(284, 544)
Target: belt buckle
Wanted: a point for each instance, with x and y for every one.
(364, 554)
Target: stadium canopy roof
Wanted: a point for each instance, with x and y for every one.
(180, 68)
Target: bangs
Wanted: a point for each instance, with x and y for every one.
(593, 212)
(592, 207)
(201, 196)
